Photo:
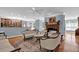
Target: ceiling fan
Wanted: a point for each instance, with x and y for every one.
(42, 12)
(35, 11)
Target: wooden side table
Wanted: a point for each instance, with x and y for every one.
(77, 32)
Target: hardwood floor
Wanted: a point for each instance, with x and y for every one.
(16, 39)
(70, 43)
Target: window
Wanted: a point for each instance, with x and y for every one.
(71, 25)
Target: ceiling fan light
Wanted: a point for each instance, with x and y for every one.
(33, 8)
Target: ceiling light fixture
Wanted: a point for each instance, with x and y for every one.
(33, 9)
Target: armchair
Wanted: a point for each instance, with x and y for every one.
(51, 43)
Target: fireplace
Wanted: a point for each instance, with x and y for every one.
(52, 24)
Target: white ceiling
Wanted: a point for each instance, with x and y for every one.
(34, 13)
